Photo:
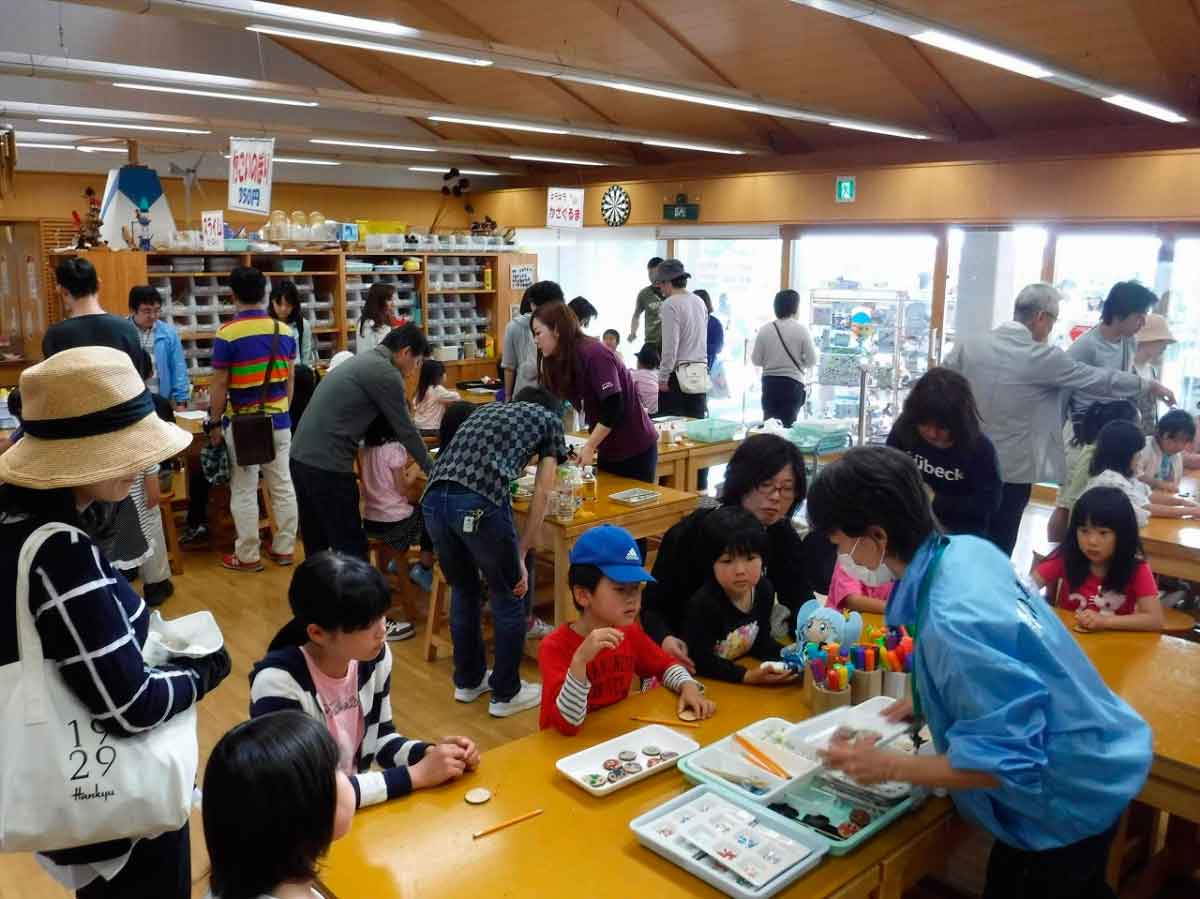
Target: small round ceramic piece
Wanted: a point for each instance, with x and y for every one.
(615, 774)
(668, 755)
(596, 780)
(848, 829)
(688, 715)
(627, 755)
(610, 764)
(650, 750)
(860, 817)
(478, 796)
(654, 760)
(632, 768)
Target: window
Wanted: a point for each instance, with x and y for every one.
(1086, 266)
(1180, 369)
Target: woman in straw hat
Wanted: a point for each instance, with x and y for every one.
(89, 430)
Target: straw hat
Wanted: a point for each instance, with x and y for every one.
(1155, 328)
(88, 417)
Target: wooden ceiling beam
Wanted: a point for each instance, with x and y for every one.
(1172, 29)
(690, 63)
(913, 69)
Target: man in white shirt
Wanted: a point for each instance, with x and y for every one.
(684, 344)
(518, 358)
(1017, 380)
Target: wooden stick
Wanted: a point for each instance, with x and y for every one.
(665, 721)
(760, 756)
(503, 824)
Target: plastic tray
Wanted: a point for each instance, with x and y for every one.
(712, 430)
(723, 755)
(578, 766)
(677, 849)
(812, 735)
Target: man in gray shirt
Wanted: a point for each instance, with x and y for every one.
(649, 303)
(1017, 380)
(518, 358)
(326, 443)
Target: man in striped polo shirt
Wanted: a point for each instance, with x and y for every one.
(240, 354)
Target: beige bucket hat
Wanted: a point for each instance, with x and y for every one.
(1155, 328)
(87, 417)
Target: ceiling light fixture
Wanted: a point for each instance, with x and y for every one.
(1145, 108)
(370, 145)
(84, 148)
(317, 17)
(367, 45)
(122, 126)
(705, 148)
(434, 170)
(29, 145)
(527, 158)
(298, 160)
(486, 123)
(664, 93)
(981, 53)
(877, 129)
(158, 88)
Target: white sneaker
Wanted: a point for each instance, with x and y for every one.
(528, 697)
(539, 629)
(470, 694)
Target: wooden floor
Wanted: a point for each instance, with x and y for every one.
(250, 609)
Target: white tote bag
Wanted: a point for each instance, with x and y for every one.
(693, 377)
(65, 781)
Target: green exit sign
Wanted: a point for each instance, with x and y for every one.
(681, 212)
(845, 189)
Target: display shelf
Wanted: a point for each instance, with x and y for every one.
(461, 290)
(294, 274)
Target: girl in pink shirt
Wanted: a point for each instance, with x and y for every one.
(847, 593)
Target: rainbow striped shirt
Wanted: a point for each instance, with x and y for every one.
(244, 347)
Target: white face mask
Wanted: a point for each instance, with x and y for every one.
(872, 577)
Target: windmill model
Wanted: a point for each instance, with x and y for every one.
(190, 180)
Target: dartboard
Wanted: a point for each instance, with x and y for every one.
(614, 206)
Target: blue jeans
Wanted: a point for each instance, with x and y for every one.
(490, 549)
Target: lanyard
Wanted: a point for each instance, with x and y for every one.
(922, 598)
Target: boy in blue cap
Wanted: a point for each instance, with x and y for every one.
(591, 662)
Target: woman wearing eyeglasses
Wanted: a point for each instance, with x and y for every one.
(766, 478)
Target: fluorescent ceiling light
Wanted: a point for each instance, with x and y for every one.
(84, 148)
(485, 123)
(36, 146)
(367, 45)
(981, 52)
(1145, 108)
(527, 158)
(677, 145)
(878, 129)
(202, 93)
(703, 99)
(371, 146)
(122, 126)
(296, 160)
(434, 170)
(316, 17)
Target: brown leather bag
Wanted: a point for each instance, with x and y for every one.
(254, 432)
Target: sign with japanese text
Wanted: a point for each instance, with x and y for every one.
(564, 207)
(251, 160)
(212, 229)
(522, 276)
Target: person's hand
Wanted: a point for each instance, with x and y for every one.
(690, 697)
(210, 670)
(865, 762)
(1089, 620)
(152, 494)
(180, 407)
(587, 454)
(632, 336)
(900, 710)
(596, 642)
(468, 746)
(442, 762)
(766, 677)
(1162, 392)
(677, 649)
(522, 585)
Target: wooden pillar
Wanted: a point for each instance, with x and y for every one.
(937, 312)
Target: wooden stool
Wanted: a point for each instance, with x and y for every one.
(380, 553)
(170, 532)
(439, 608)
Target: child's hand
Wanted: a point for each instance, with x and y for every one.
(442, 762)
(766, 677)
(596, 642)
(678, 650)
(1089, 620)
(468, 746)
(690, 697)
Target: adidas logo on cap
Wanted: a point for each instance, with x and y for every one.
(632, 555)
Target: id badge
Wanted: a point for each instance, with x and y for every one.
(470, 520)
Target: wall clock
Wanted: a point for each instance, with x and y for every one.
(615, 206)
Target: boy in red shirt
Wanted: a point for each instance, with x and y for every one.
(591, 662)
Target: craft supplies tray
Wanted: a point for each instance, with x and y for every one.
(743, 850)
(711, 430)
(726, 762)
(634, 496)
(595, 769)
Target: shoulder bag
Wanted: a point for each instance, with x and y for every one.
(254, 432)
(799, 367)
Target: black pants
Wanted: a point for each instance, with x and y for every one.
(676, 402)
(1069, 872)
(642, 467)
(782, 398)
(157, 869)
(197, 513)
(329, 514)
(1006, 520)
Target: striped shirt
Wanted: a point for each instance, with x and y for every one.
(282, 681)
(243, 346)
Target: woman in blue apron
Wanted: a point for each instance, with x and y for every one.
(1031, 743)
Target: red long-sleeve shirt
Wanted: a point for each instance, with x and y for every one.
(566, 701)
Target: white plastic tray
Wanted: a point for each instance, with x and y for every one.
(813, 735)
(194, 636)
(724, 755)
(578, 766)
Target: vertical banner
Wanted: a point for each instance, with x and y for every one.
(251, 160)
(212, 228)
(564, 207)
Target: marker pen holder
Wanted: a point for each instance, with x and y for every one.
(824, 700)
(897, 684)
(866, 685)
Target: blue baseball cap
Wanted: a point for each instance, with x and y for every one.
(613, 551)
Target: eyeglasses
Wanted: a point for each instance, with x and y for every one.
(767, 489)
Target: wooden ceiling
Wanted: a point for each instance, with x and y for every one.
(790, 52)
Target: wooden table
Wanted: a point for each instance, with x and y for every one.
(679, 463)
(581, 845)
(477, 399)
(649, 520)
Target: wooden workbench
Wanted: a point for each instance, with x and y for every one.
(581, 845)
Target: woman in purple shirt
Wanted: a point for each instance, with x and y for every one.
(585, 372)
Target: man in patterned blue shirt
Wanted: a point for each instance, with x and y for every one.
(468, 514)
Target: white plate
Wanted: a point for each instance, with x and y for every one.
(578, 766)
(811, 736)
(194, 636)
(726, 755)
